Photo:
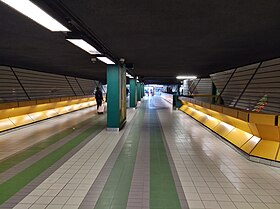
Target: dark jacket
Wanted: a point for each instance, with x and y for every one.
(98, 95)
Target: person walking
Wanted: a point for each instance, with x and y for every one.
(98, 97)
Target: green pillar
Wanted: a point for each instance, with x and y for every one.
(116, 97)
(142, 90)
(138, 91)
(133, 93)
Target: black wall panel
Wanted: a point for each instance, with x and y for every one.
(252, 86)
(265, 86)
(20, 84)
(201, 86)
(10, 88)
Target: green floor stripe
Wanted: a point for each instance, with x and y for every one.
(25, 154)
(116, 190)
(13, 185)
(163, 194)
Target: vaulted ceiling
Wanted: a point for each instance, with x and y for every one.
(162, 38)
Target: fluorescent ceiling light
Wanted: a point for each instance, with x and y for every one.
(32, 11)
(128, 75)
(83, 45)
(186, 77)
(106, 60)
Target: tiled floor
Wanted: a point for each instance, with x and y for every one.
(206, 172)
(212, 174)
(26, 136)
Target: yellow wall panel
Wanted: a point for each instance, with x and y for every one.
(197, 116)
(27, 103)
(278, 156)
(183, 102)
(259, 136)
(239, 124)
(206, 105)
(189, 104)
(188, 111)
(61, 104)
(230, 111)
(84, 104)
(6, 124)
(223, 129)
(19, 111)
(210, 123)
(214, 114)
(37, 116)
(265, 119)
(51, 113)
(55, 100)
(4, 114)
(266, 149)
(242, 115)
(29, 112)
(69, 108)
(183, 107)
(84, 100)
(8, 105)
(43, 101)
(238, 137)
(254, 129)
(21, 120)
(250, 144)
(43, 107)
(268, 132)
(199, 108)
(64, 99)
(217, 108)
(60, 110)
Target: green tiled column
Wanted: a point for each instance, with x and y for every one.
(138, 91)
(133, 92)
(143, 91)
(116, 97)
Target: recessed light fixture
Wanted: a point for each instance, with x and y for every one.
(83, 45)
(128, 75)
(32, 11)
(186, 77)
(106, 60)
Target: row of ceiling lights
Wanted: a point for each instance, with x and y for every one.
(35, 13)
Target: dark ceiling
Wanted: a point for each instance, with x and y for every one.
(163, 38)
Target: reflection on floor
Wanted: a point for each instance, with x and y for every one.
(161, 159)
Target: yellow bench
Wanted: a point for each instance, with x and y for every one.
(256, 134)
(17, 114)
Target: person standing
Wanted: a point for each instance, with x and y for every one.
(98, 97)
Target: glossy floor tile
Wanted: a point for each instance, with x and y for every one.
(214, 175)
(21, 138)
(162, 159)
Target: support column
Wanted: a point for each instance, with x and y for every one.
(133, 92)
(142, 90)
(116, 97)
(138, 91)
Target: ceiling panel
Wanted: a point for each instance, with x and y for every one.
(163, 38)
